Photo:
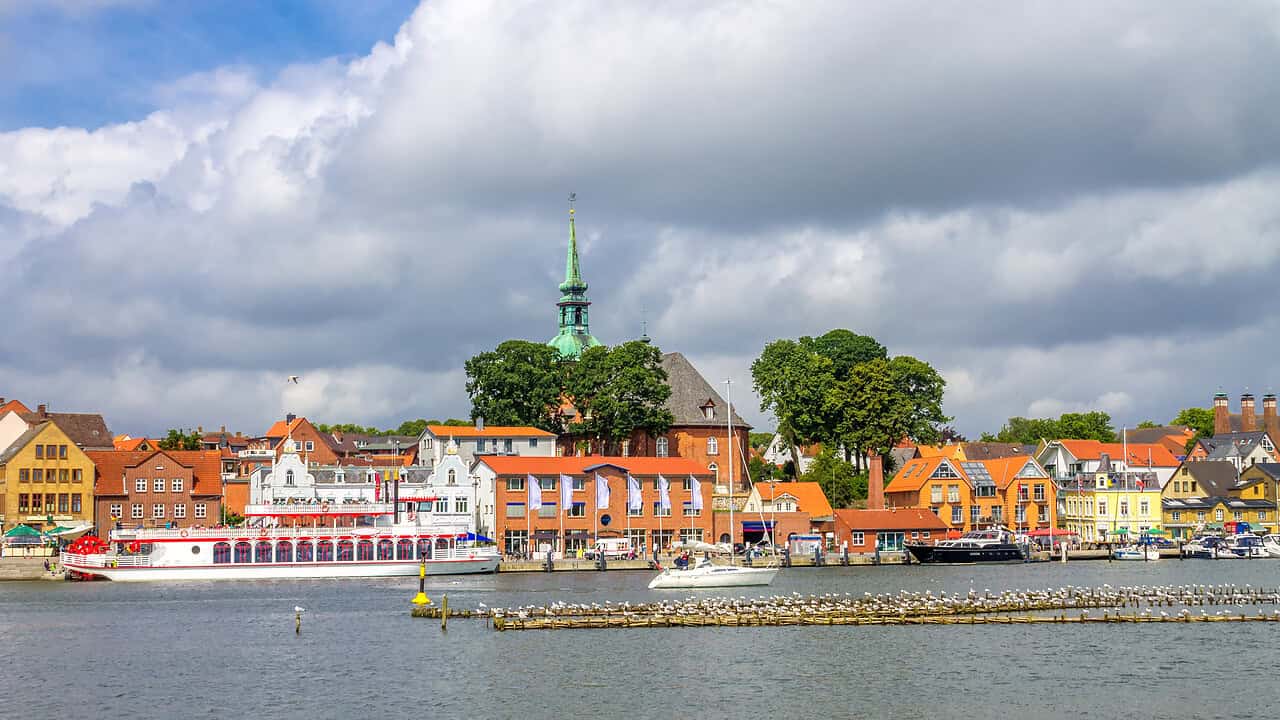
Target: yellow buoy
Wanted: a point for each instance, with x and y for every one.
(421, 598)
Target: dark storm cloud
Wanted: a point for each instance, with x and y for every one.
(1060, 207)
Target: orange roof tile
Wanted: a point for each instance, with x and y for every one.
(517, 465)
(914, 472)
(1005, 470)
(1138, 452)
(809, 496)
(898, 519)
(110, 465)
(282, 429)
(16, 406)
(469, 431)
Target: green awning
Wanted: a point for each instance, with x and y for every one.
(1153, 531)
(22, 531)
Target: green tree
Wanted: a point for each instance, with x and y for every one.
(518, 383)
(839, 480)
(761, 471)
(410, 427)
(1147, 424)
(760, 440)
(618, 390)
(1196, 418)
(179, 440)
(883, 401)
(1094, 425)
(230, 518)
(845, 349)
(792, 383)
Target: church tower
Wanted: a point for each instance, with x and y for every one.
(575, 333)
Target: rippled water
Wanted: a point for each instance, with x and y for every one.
(229, 650)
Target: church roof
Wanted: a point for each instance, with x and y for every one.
(690, 393)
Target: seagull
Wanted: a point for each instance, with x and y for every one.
(293, 379)
(299, 609)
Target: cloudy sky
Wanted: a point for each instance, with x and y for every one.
(1061, 207)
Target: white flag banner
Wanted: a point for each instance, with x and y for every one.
(695, 487)
(664, 493)
(535, 493)
(602, 492)
(634, 501)
(566, 492)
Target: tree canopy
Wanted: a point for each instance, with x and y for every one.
(618, 390)
(518, 383)
(180, 440)
(1196, 418)
(1093, 425)
(840, 481)
(842, 389)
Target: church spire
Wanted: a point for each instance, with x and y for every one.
(575, 333)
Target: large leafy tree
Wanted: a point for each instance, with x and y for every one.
(792, 382)
(179, 440)
(518, 383)
(618, 390)
(1025, 431)
(1093, 425)
(883, 401)
(1196, 418)
(845, 349)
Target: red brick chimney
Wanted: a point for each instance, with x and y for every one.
(1270, 422)
(875, 482)
(1221, 418)
(1248, 416)
(42, 410)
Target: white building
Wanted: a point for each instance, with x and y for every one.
(474, 440)
(447, 491)
(779, 453)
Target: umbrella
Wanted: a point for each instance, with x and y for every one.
(1153, 531)
(476, 538)
(23, 535)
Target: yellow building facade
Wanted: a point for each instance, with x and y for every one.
(45, 480)
(1110, 507)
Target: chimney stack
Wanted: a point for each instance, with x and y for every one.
(1221, 416)
(290, 417)
(875, 482)
(224, 428)
(480, 424)
(1270, 422)
(42, 410)
(1248, 417)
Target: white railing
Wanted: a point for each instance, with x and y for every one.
(285, 533)
(107, 560)
(319, 509)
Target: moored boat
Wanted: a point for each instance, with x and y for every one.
(706, 574)
(1271, 543)
(1145, 553)
(976, 546)
(1244, 546)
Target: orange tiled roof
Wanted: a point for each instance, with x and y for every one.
(933, 451)
(898, 519)
(282, 429)
(914, 472)
(809, 496)
(470, 431)
(16, 406)
(110, 465)
(1138, 452)
(1005, 470)
(671, 467)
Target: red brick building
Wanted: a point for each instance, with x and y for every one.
(583, 522)
(865, 530)
(313, 445)
(162, 488)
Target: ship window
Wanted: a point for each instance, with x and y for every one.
(306, 551)
(244, 552)
(453, 477)
(324, 551)
(345, 550)
(385, 550)
(442, 544)
(404, 550)
(262, 552)
(221, 553)
(424, 549)
(288, 478)
(284, 551)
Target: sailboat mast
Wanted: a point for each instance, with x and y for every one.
(729, 407)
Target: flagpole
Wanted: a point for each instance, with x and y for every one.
(728, 383)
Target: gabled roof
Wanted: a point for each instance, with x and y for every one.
(282, 428)
(1180, 433)
(124, 442)
(1213, 477)
(1212, 501)
(1139, 453)
(1272, 470)
(1236, 444)
(87, 430)
(991, 450)
(15, 406)
(900, 519)
(489, 431)
(690, 392)
(670, 467)
(913, 474)
(1004, 471)
(808, 496)
(110, 465)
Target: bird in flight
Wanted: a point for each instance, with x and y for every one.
(293, 379)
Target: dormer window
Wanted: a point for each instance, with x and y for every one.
(709, 411)
(340, 477)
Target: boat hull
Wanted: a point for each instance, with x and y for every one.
(279, 571)
(673, 579)
(934, 554)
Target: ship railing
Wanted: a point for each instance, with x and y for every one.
(106, 560)
(284, 533)
(318, 509)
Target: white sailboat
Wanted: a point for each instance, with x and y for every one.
(706, 574)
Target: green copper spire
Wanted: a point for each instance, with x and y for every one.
(575, 333)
